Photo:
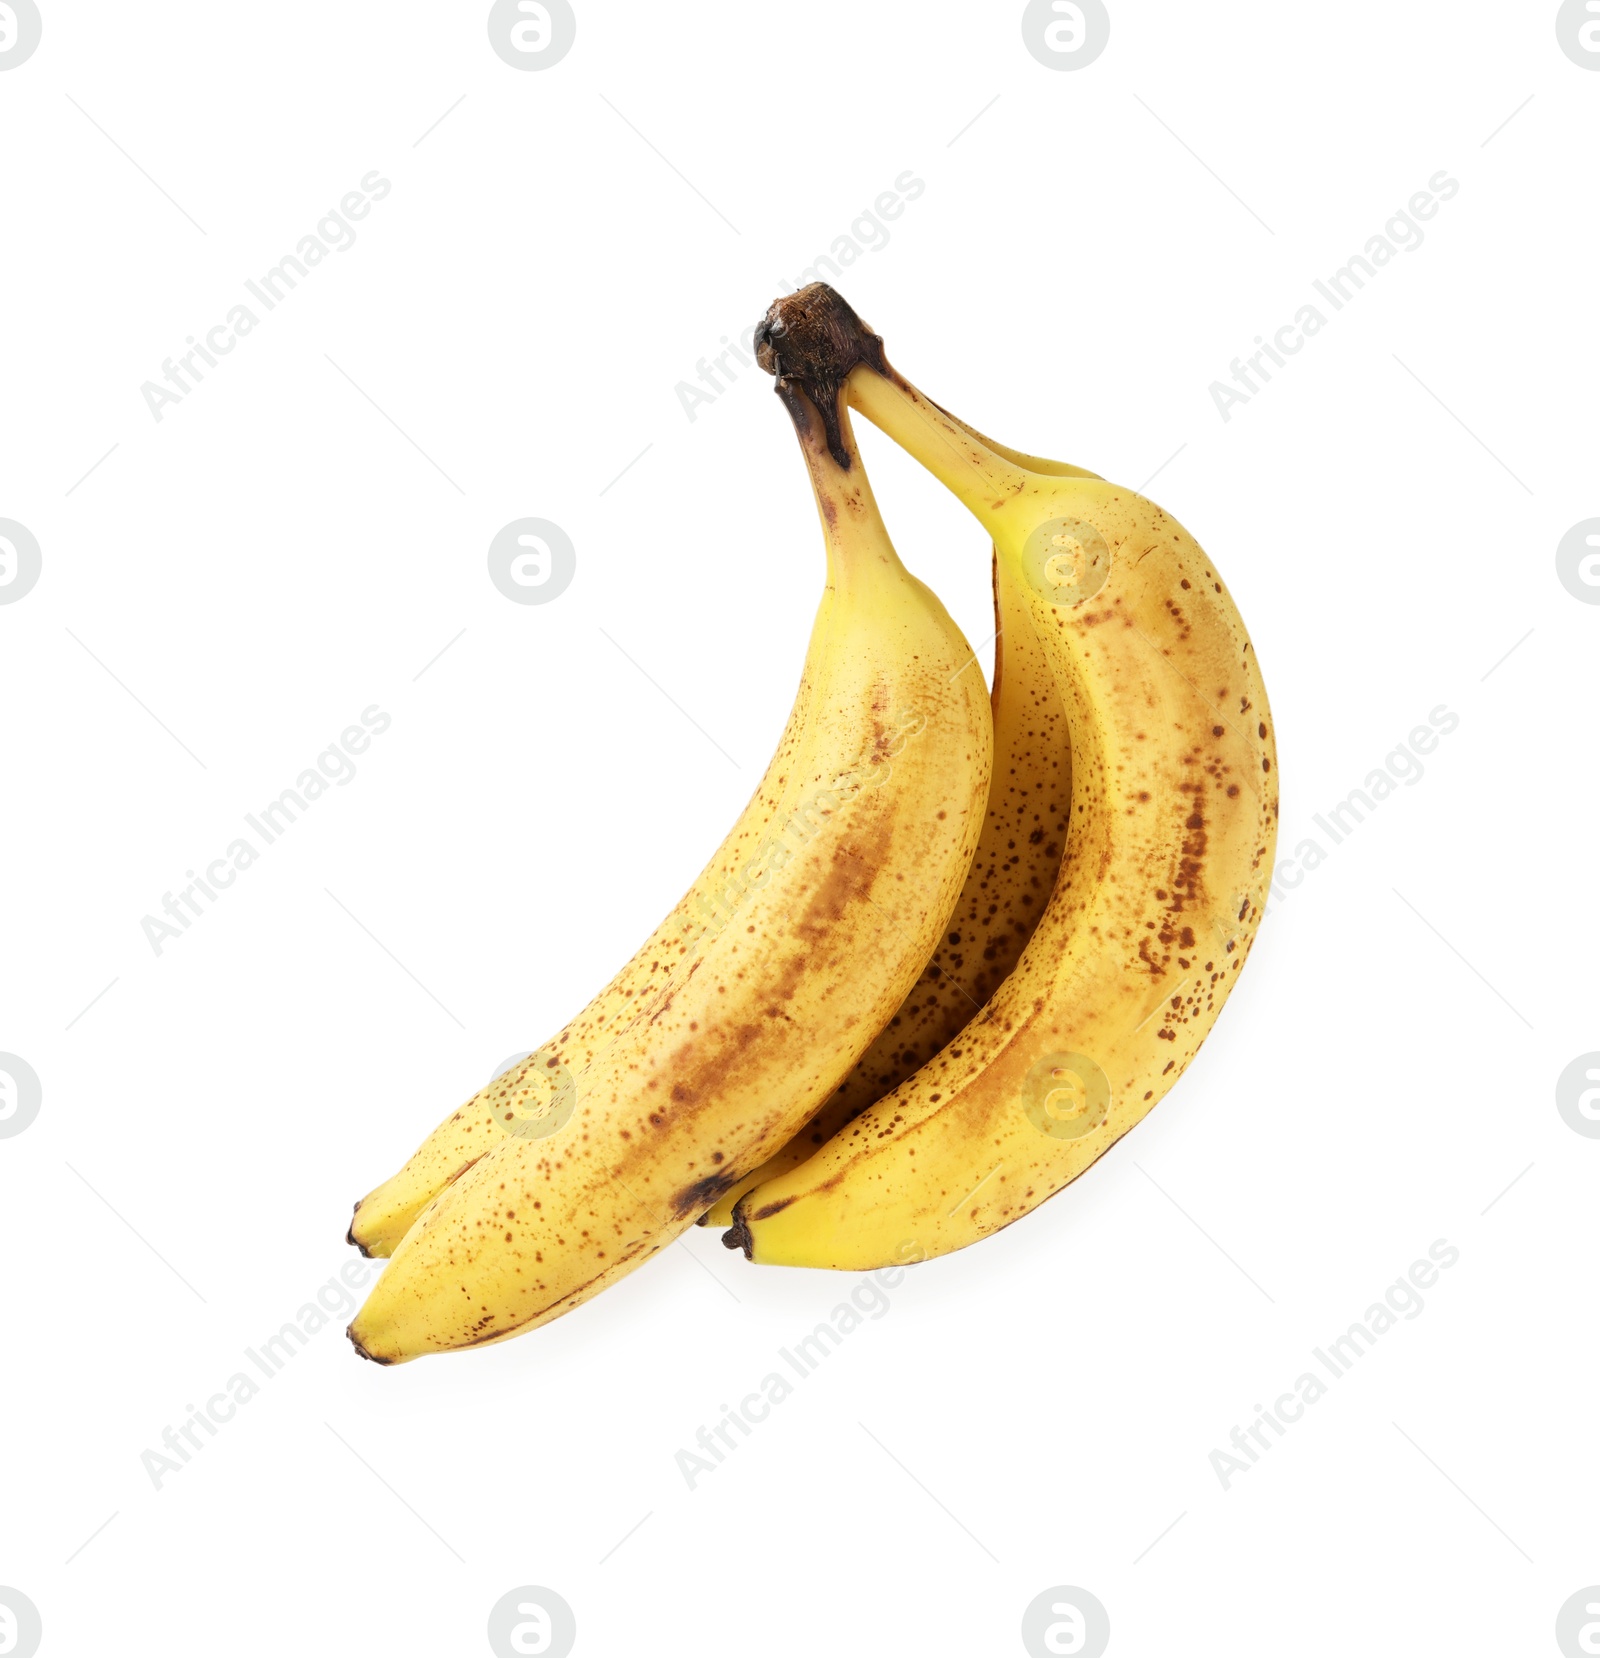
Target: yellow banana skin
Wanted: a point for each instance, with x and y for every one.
(1174, 820)
(796, 967)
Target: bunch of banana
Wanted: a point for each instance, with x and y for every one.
(1173, 820)
(751, 1002)
(832, 1045)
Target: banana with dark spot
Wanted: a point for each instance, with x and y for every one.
(1174, 817)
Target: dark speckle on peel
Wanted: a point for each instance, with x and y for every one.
(699, 1195)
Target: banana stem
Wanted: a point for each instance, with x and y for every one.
(858, 546)
(822, 352)
(986, 483)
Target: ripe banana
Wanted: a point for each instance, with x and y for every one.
(1173, 824)
(798, 960)
(1012, 874)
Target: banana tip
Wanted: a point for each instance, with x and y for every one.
(355, 1342)
(350, 1236)
(738, 1234)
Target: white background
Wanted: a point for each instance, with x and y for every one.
(229, 587)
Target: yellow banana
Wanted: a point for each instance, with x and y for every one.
(1174, 820)
(799, 961)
